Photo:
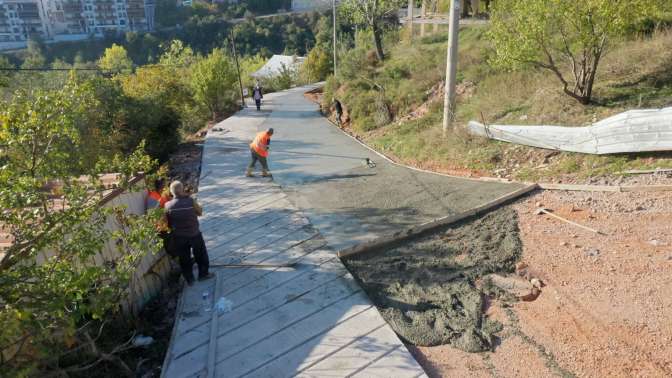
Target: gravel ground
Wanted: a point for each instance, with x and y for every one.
(605, 308)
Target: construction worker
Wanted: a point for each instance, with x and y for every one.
(182, 214)
(339, 111)
(158, 196)
(259, 150)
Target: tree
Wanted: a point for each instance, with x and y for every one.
(115, 60)
(374, 14)
(318, 65)
(34, 56)
(177, 54)
(564, 35)
(5, 75)
(50, 287)
(213, 81)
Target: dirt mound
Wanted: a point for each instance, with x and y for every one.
(427, 288)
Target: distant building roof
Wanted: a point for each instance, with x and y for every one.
(275, 65)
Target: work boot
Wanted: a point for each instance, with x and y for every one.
(248, 173)
(266, 173)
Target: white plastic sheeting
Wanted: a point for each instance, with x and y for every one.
(277, 64)
(631, 131)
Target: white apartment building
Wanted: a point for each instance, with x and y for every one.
(56, 20)
(308, 5)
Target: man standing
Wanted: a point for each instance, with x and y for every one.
(259, 150)
(339, 111)
(182, 213)
(257, 95)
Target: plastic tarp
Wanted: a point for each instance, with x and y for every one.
(632, 131)
(276, 64)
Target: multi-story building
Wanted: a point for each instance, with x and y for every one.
(21, 19)
(309, 5)
(54, 20)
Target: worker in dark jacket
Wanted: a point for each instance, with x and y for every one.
(259, 151)
(182, 213)
(257, 94)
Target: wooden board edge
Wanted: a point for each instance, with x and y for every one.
(173, 335)
(412, 231)
(214, 325)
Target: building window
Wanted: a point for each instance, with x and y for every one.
(90, 22)
(122, 22)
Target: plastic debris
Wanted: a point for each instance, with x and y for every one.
(223, 305)
(142, 340)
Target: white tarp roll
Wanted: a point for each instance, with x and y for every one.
(632, 131)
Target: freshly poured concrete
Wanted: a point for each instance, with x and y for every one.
(324, 173)
(313, 319)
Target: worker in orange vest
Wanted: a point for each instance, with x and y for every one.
(259, 150)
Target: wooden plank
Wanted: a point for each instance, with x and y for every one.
(587, 188)
(414, 231)
(355, 353)
(247, 311)
(397, 360)
(282, 278)
(258, 346)
(606, 188)
(214, 329)
(322, 347)
(287, 252)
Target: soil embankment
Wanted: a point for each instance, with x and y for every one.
(429, 289)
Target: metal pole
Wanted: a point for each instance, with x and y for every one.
(333, 3)
(451, 66)
(240, 79)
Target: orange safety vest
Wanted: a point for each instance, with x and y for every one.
(260, 143)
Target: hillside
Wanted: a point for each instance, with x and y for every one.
(396, 106)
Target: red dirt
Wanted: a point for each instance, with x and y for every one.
(605, 309)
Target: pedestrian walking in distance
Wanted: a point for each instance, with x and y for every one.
(182, 214)
(257, 95)
(259, 151)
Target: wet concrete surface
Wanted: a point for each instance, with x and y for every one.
(427, 288)
(325, 174)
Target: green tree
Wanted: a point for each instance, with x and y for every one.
(177, 54)
(374, 14)
(213, 81)
(318, 65)
(567, 37)
(34, 55)
(115, 60)
(50, 289)
(5, 76)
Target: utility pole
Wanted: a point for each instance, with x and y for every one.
(423, 15)
(333, 4)
(410, 18)
(240, 79)
(451, 66)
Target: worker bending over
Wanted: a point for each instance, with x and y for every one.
(259, 151)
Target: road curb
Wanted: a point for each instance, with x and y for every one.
(543, 186)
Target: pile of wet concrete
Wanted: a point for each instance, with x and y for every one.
(429, 289)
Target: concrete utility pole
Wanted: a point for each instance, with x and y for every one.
(451, 66)
(423, 15)
(410, 18)
(333, 3)
(240, 79)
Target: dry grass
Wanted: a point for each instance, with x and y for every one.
(635, 73)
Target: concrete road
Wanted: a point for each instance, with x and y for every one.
(324, 172)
